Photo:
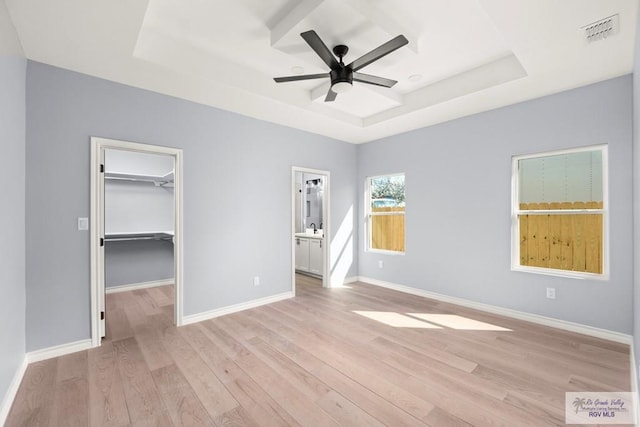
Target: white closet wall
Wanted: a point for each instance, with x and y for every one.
(139, 218)
(138, 206)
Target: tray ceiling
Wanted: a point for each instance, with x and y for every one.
(463, 56)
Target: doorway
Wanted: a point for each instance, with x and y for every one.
(310, 225)
(101, 234)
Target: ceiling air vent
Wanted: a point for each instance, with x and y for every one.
(602, 29)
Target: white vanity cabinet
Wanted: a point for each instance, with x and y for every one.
(309, 254)
(302, 254)
(315, 256)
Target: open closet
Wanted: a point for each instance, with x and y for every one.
(139, 220)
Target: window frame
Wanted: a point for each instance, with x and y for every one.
(369, 214)
(516, 212)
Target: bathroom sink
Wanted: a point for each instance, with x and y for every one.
(311, 235)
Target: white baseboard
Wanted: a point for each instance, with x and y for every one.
(36, 356)
(520, 315)
(142, 285)
(634, 383)
(58, 350)
(345, 282)
(10, 395)
(194, 318)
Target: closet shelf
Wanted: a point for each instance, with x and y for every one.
(159, 181)
(123, 237)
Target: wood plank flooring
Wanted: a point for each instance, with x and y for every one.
(326, 357)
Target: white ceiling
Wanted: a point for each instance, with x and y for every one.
(470, 55)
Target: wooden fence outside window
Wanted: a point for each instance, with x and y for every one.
(563, 241)
(387, 231)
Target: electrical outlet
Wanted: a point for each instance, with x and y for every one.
(551, 293)
(380, 264)
(83, 224)
(256, 281)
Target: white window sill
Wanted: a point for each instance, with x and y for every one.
(384, 252)
(560, 273)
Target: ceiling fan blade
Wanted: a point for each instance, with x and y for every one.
(313, 40)
(374, 80)
(331, 96)
(379, 52)
(302, 77)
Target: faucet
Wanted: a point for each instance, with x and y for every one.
(314, 227)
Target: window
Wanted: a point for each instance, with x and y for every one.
(385, 211)
(559, 213)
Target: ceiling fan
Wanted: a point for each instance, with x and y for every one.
(342, 76)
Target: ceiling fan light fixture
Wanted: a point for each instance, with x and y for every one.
(341, 79)
(341, 87)
(342, 76)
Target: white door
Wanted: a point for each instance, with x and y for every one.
(101, 267)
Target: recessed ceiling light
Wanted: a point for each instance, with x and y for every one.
(415, 77)
(297, 69)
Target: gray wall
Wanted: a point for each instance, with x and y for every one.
(458, 188)
(237, 194)
(138, 261)
(452, 169)
(12, 222)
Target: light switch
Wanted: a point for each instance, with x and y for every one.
(83, 224)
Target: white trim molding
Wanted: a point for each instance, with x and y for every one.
(345, 282)
(515, 314)
(58, 350)
(98, 146)
(12, 391)
(516, 213)
(634, 382)
(200, 317)
(141, 285)
(351, 279)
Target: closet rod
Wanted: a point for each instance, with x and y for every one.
(138, 236)
(122, 239)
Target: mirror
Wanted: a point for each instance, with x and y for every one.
(309, 201)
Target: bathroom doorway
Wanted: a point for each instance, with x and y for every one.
(310, 235)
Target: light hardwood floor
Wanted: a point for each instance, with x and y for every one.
(308, 281)
(312, 360)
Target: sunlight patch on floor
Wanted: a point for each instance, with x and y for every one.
(454, 321)
(429, 321)
(396, 320)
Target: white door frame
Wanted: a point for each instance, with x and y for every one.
(98, 145)
(326, 224)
